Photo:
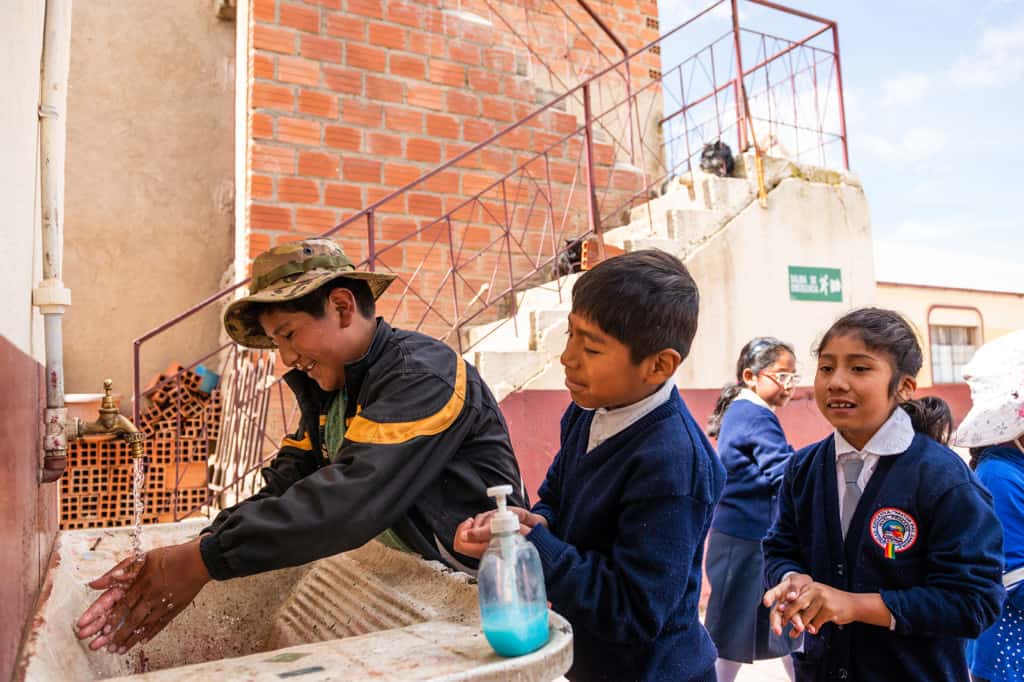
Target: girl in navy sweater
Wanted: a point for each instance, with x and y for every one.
(754, 451)
(886, 550)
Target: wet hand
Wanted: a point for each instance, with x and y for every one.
(779, 597)
(116, 582)
(818, 604)
(467, 547)
(474, 534)
(142, 597)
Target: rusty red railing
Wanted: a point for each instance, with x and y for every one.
(570, 172)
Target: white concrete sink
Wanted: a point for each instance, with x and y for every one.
(370, 613)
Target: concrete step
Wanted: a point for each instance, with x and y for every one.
(511, 333)
(638, 230)
(550, 328)
(685, 226)
(508, 371)
(653, 213)
(660, 243)
(555, 295)
(728, 195)
(525, 332)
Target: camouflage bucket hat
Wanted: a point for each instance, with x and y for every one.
(288, 272)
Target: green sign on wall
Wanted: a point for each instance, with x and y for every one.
(815, 284)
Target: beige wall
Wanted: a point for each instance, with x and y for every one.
(28, 510)
(149, 200)
(1000, 312)
(743, 275)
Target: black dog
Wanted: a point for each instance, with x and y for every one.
(716, 159)
(568, 261)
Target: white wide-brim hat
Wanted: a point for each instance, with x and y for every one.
(996, 377)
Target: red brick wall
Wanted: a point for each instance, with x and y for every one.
(352, 99)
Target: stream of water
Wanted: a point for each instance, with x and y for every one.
(138, 479)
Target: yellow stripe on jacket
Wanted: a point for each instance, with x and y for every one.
(304, 444)
(363, 430)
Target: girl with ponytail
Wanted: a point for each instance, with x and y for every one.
(886, 551)
(754, 452)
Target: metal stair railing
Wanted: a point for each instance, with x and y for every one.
(467, 265)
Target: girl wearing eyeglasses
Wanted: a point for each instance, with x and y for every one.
(754, 451)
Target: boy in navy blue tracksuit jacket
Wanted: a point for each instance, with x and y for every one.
(624, 510)
(886, 549)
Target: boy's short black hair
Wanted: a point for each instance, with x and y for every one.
(646, 299)
(314, 303)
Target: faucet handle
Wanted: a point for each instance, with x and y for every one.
(108, 398)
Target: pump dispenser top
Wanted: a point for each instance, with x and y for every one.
(503, 522)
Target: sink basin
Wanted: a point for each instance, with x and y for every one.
(370, 613)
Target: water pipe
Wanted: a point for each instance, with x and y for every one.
(50, 295)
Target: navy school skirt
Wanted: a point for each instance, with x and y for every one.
(736, 619)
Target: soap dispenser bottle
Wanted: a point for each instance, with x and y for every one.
(513, 603)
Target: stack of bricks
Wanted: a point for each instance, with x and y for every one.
(181, 425)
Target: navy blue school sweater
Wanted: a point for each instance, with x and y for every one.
(754, 452)
(924, 535)
(625, 539)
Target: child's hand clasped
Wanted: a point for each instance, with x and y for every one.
(808, 605)
(818, 604)
(474, 534)
(780, 597)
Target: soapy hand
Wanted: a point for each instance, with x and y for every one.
(142, 597)
(818, 604)
(474, 534)
(779, 599)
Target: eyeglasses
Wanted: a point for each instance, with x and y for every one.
(783, 379)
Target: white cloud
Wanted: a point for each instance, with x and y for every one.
(915, 144)
(930, 230)
(999, 58)
(921, 143)
(675, 12)
(905, 89)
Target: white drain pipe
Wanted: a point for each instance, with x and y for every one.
(50, 295)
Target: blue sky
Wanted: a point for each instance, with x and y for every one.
(933, 105)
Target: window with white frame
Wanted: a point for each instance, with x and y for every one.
(951, 349)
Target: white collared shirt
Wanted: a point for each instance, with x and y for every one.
(893, 438)
(750, 396)
(607, 423)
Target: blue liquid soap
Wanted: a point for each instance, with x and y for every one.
(513, 604)
(515, 630)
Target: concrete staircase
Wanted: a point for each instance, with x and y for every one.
(522, 351)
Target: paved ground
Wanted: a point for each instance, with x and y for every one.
(763, 671)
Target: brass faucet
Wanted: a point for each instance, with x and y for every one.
(110, 421)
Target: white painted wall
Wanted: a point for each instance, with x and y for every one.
(21, 44)
(743, 275)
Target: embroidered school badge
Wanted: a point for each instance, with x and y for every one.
(894, 530)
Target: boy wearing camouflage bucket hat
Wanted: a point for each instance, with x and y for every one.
(399, 439)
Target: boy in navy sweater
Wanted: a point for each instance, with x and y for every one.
(627, 502)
